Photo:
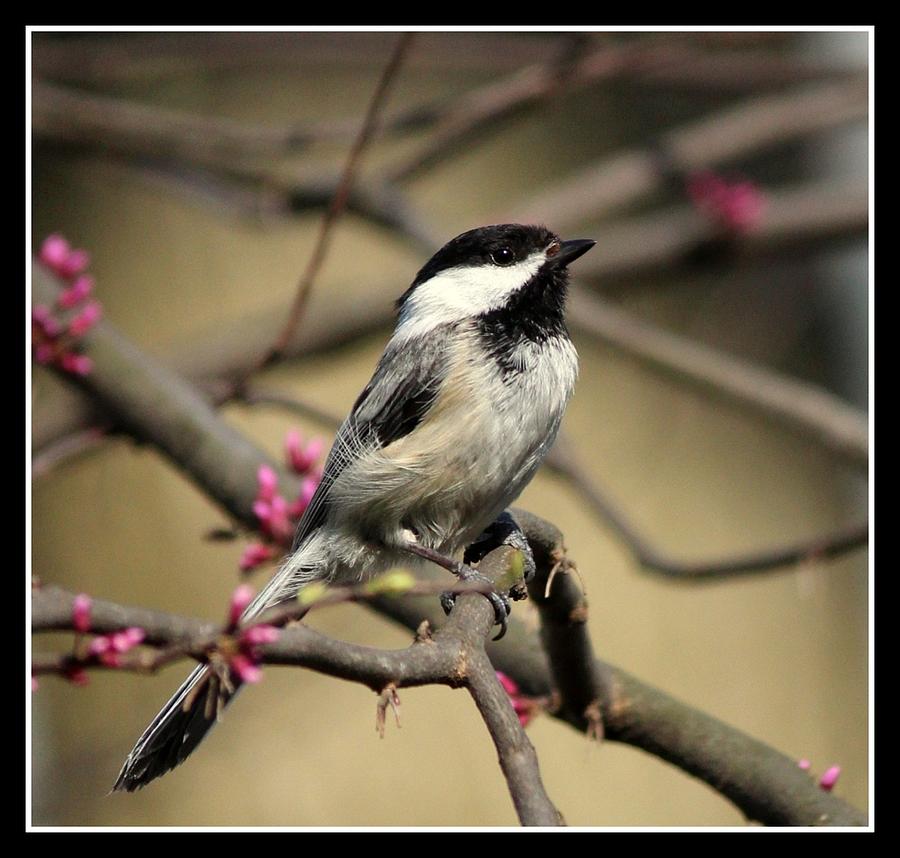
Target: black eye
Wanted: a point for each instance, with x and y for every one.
(503, 256)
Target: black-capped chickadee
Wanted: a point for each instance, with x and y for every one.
(462, 408)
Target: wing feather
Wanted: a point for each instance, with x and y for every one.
(400, 393)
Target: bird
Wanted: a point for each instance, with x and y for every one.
(463, 405)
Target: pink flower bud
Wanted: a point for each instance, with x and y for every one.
(45, 321)
(301, 458)
(75, 363)
(54, 252)
(307, 490)
(100, 645)
(76, 262)
(509, 685)
(804, 764)
(246, 670)
(267, 480)
(86, 319)
(829, 779)
(40, 313)
(81, 613)
(240, 598)
(127, 639)
(76, 293)
(524, 707)
(261, 634)
(34, 683)
(255, 555)
(736, 206)
(77, 676)
(44, 353)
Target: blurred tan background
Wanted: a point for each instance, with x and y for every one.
(782, 656)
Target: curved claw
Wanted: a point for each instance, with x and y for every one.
(501, 613)
(498, 600)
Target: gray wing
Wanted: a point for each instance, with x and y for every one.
(396, 399)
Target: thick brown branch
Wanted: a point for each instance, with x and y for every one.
(455, 657)
(763, 783)
(154, 404)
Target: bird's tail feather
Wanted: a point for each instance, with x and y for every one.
(176, 730)
(194, 708)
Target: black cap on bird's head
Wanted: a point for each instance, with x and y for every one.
(484, 265)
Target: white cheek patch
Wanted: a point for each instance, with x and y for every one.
(462, 292)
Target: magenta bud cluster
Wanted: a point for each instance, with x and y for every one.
(56, 331)
(245, 662)
(524, 707)
(737, 206)
(277, 516)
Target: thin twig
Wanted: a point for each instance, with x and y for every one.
(67, 448)
(823, 547)
(338, 202)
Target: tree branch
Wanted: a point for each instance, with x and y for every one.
(738, 131)
(802, 407)
(455, 657)
(338, 202)
(763, 783)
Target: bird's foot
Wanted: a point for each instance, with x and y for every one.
(499, 600)
(467, 574)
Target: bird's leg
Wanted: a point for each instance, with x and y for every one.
(464, 573)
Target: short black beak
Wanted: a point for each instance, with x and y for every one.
(569, 251)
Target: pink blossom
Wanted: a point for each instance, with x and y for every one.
(77, 676)
(240, 598)
(86, 319)
(76, 262)
(301, 458)
(45, 321)
(245, 668)
(75, 363)
(273, 517)
(255, 555)
(509, 685)
(40, 313)
(34, 683)
(267, 480)
(107, 648)
(261, 634)
(804, 764)
(44, 353)
(76, 293)
(307, 490)
(54, 252)
(524, 707)
(81, 613)
(736, 206)
(128, 638)
(829, 779)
